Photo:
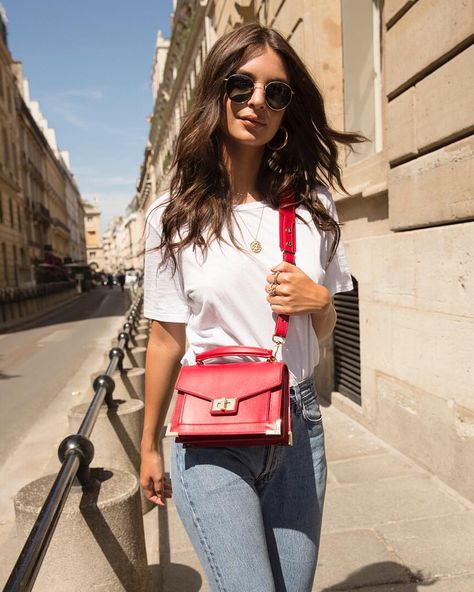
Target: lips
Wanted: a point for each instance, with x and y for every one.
(252, 121)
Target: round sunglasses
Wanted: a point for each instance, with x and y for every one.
(240, 87)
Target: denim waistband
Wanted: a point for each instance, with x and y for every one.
(303, 388)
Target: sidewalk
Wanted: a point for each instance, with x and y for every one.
(389, 526)
(36, 455)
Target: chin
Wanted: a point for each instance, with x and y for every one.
(247, 140)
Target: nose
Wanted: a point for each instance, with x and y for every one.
(258, 96)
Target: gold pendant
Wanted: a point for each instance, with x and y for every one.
(256, 246)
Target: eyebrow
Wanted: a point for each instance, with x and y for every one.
(250, 75)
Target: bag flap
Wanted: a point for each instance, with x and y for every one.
(237, 381)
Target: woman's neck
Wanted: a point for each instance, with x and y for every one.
(242, 164)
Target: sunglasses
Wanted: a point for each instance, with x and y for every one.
(240, 87)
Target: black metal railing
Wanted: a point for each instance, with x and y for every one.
(10, 295)
(75, 452)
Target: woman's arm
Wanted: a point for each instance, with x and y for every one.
(166, 346)
(324, 322)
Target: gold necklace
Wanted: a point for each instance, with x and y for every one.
(255, 245)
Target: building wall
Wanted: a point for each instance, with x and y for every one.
(114, 245)
(94, 246)
(409, 234)
(408, 231)
(33, 149)
(75, 220)
(34, 183)
(14, 268)
(193, 36)
(56, 191)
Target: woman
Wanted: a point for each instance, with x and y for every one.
(213, 274)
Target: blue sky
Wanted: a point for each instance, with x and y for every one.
(89, 65)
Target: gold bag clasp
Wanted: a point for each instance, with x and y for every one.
(223, 404)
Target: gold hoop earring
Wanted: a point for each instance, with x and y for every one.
(283, 144)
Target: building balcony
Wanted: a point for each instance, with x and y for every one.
(41, 213)
(59, 224)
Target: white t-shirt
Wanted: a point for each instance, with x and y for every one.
(221, 297)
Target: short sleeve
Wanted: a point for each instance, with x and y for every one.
(337, 277)
(164, 298)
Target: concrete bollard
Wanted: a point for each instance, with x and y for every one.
(116, 436)
(130, 384)
(143, 330)
(99, 542)
(141, 339)
(137, 356)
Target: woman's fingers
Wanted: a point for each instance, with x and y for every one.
(158, 490)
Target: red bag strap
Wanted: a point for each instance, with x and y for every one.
(288, 248)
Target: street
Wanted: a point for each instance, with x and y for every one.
(37, 361)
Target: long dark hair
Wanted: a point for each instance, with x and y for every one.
(199, 205)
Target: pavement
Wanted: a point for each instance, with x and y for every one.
(389, 525)
(45, 369)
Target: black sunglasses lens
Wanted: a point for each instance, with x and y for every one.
(239, 88)
(278, 95)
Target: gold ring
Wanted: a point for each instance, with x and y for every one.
(272, 290)
(276, 274)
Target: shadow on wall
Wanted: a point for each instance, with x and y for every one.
(384, 573)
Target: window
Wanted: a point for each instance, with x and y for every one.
(362, 74)
(1, 208)
(92, 253)
(347, 344)
(6, 147)
(90, 218)
(15, 159)
(5, 264)
(19, 217)
(15, 265)
(12, 217)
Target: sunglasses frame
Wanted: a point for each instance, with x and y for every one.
(226, 80)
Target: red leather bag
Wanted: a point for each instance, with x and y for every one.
(239, 403)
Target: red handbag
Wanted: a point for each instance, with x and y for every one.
(244, 403)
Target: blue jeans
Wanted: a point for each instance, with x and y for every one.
(253, 513)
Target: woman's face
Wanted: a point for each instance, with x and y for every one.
(253, 123)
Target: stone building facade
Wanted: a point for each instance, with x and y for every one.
(74, 213)
(94, 246)
(41, 216)
(14, 263)
(401, 72)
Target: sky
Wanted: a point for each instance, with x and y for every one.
(88, 64)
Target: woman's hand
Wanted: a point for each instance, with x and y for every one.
(155, 483)
(295, 293)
